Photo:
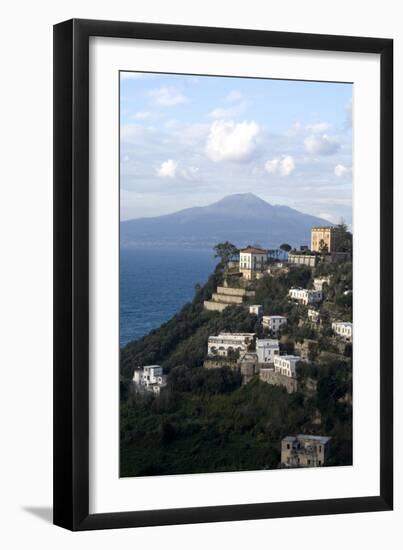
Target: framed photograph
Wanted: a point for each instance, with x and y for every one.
(223, 206)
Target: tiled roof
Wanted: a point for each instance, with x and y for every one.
(253, 250)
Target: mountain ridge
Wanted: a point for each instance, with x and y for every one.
(242, 218)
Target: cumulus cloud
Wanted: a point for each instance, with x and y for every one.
(234, 95)
(168, 96)
(340, 170)
(167, 169)
(321, 145)
(227, 112)
(283, 166)
(231, 141)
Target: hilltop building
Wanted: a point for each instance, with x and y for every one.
(267, 350)
(150, 378)
(325, 235)
(305, 451)
(343, 329)
(274, 322)
(286, 365)
(225, 342)
(252, 261)
(305, 296)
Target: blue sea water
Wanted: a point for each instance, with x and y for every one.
(155, 284)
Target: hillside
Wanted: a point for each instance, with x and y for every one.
(205, 420)
(242, 219)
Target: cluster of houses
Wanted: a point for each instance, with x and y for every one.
(261, 357)
(253, 356)
(254, 262)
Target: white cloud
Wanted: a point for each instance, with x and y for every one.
(227, 112)
(167, 169)
(283, 166)
(318, 127)
(168, 96)
(231, 141)
(340, 170)
(321, 145)
(234, 95)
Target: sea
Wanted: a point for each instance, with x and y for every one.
(155, 284)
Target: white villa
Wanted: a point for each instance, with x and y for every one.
(274, 322)
(226, 341)
(286, 365)
(150, 378)
(256, 310)
(267, 350)
(304, 296)
(343, 329)
(251, 261)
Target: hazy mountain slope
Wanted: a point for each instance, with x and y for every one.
(241, 219)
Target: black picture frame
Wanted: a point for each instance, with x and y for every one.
(71, 274)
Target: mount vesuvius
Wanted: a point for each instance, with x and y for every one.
(241, 219)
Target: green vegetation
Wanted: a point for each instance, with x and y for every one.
(205, 420)
(225, 251)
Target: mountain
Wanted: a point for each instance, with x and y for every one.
(241, 219)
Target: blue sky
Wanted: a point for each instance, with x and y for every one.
(190, 140)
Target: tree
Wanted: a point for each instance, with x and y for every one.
(323, 248)
(344, 239)
(225, 251)
(286, 247)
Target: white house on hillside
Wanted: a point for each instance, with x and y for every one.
(343, 329)
(286, 365)
(150, 378)
(226, 341)
(267, 350)
(273, 322)
(304, 296)
(251, 261)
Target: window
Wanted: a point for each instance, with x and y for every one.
(288, 445)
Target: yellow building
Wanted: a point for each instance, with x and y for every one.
(325, 234)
